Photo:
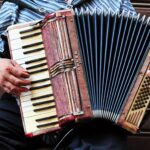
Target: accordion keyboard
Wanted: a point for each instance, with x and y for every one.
(38, 105)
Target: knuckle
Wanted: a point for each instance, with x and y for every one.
(16, 72)
(7, 69)
(5, 84)
(7, 90)
(13, 62)
(1, 80)
(3, 74)
(17, 82)
(12, 88)
(19, 73)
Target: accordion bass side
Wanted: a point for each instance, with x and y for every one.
(83, 65)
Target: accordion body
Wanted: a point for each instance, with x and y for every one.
(83, 65)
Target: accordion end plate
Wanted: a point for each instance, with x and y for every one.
(138, 101)
(128, 126)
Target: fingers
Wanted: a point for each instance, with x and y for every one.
(16, 81)
(10, 88)
(17, 72)
(12, 77)
(13, 81)
(15, 64)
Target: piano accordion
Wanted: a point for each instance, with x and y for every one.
(83, 65)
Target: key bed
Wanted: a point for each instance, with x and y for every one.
(38, 105)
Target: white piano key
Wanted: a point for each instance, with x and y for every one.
(31, 33)
(34, 57)
(41, 93)
(33, 25)
(16, 44)
(44, 115)
(37, 91)
(41, 83)
(31, 103)
(14, 34)
(34, 64)
(32, 113)
(32, 108)
(32, 40)
(33, 48)
(18, 54)
(29, 111)
(31, 123)
(35, 69)
(19, 43)
(39, 76)
(46, 121)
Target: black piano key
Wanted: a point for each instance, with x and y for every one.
(40, 87)
(36, 66)
(29, 30)
(35, 60)
(38, 81)
(33, 44)
(40, 97)
(45, 102)
(46, 118)
(30, 35)
(37, 71)
(33, 51)
(47, 124)
(44, 108)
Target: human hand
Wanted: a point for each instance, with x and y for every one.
(12, 77)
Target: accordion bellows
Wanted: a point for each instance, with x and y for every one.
(113, 47)
(96, 64)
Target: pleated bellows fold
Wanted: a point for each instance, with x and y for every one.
(113, 48)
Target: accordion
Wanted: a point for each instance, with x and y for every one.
(83, 65)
